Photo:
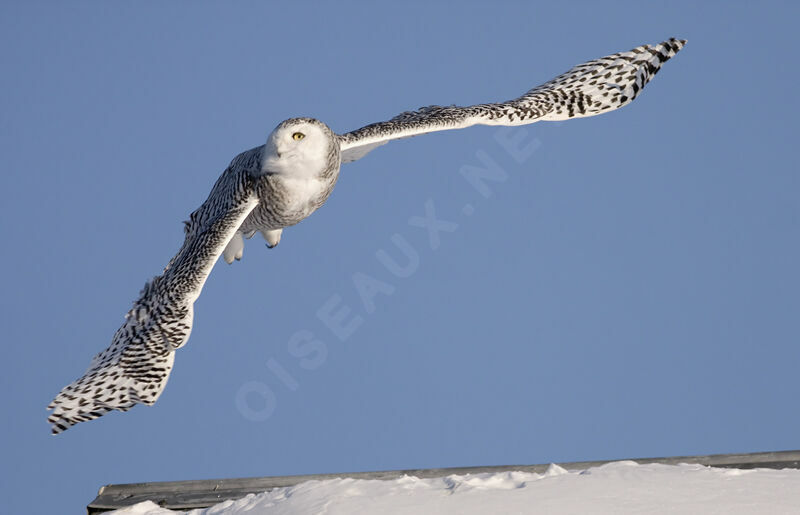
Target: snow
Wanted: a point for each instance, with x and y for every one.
(618, 488)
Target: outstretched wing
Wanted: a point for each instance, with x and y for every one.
(588, 89)
(135, 367)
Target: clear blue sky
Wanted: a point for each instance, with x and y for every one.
(630, 290)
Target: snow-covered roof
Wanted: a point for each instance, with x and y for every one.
(429, 484)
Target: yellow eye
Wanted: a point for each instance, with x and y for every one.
(297, 136)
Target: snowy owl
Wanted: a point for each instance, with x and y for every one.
(282, 182)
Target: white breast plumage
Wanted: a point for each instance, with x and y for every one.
(302, 193)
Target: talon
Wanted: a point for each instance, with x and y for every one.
(273, 237)
(234, 249)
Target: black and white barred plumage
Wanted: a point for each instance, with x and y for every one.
(588, 89)
(281, 183)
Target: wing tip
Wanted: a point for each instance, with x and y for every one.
(672, 45)
(57, 428)
(59, 423)
(66, 416)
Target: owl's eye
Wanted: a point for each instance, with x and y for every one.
(297, 136)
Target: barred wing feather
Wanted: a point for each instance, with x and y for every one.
(588, 89)
(135, 367)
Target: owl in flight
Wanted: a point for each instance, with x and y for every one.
(280, 183)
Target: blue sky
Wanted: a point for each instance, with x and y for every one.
(629, 290)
